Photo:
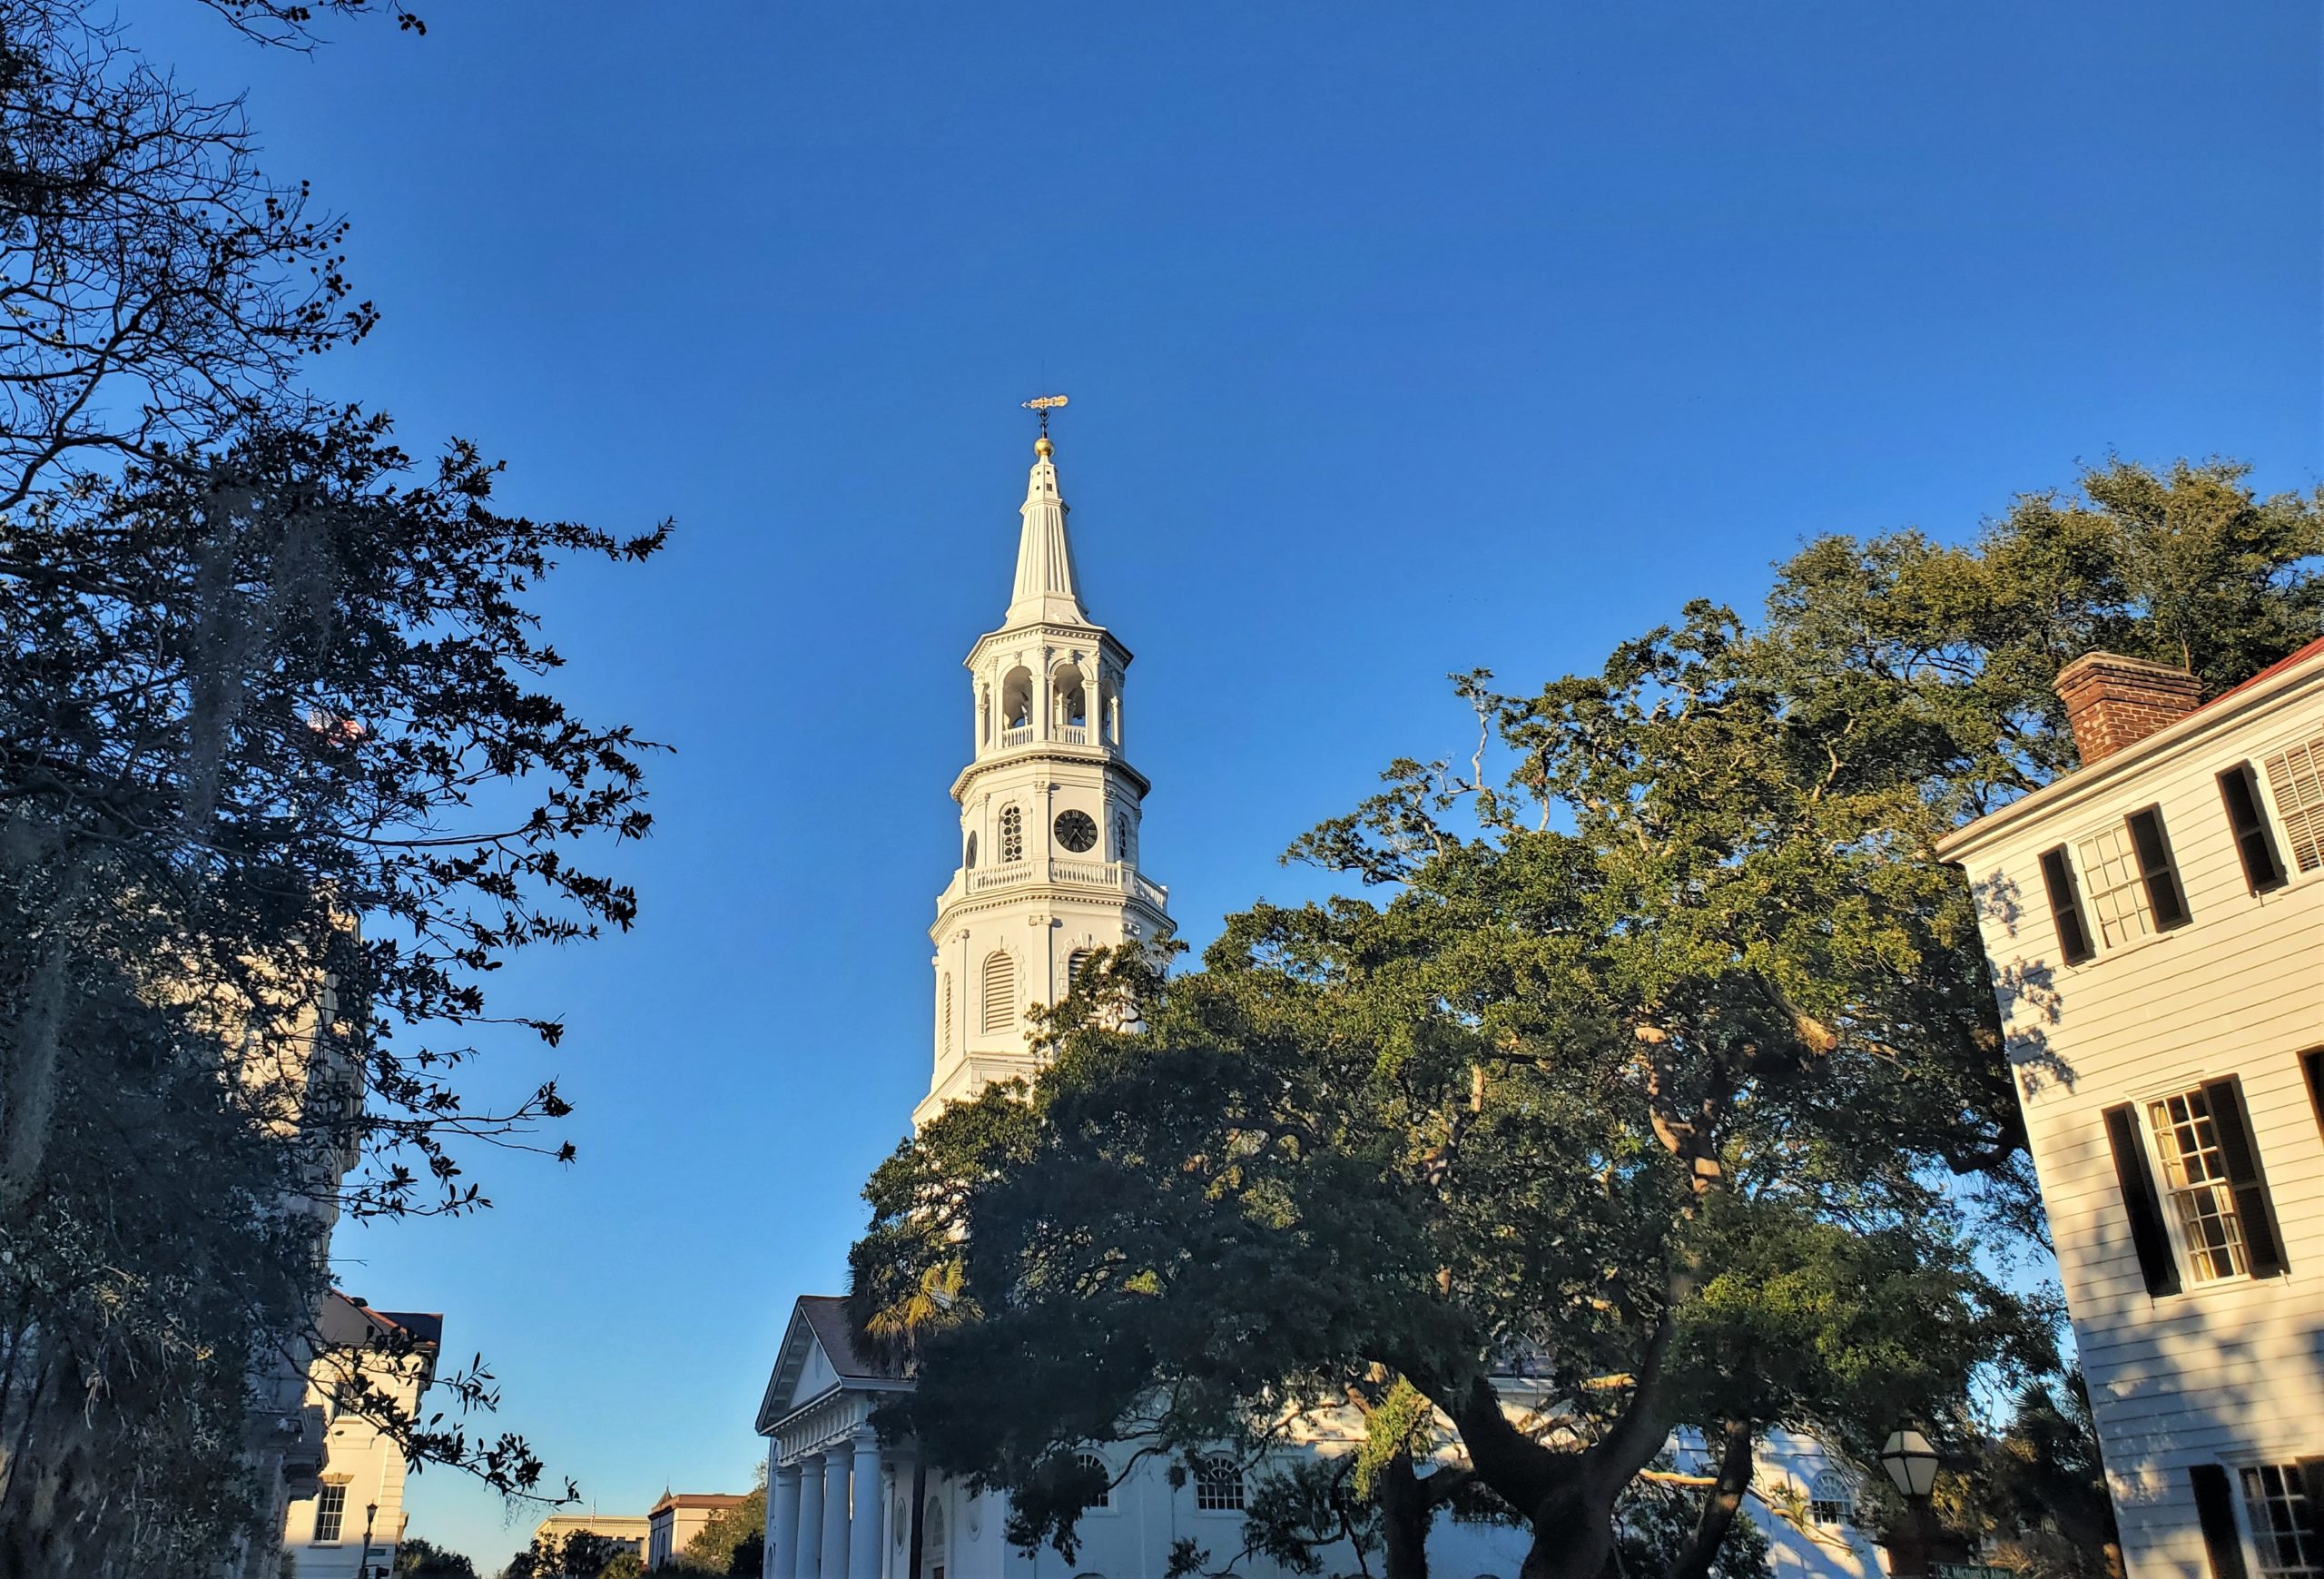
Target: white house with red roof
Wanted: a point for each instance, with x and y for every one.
(2154, 922)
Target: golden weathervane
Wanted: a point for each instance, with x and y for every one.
(1045, 405)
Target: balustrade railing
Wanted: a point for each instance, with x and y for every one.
(1113, 874)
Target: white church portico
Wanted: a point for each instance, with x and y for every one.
(835, 1497)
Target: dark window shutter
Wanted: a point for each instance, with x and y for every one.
(2311, 1474)
(2147, 1235)
(2215, 1510)
(2232, 1123)
(2065, 905)
(2263, 869)
(2312, 1062)
(2156, 871)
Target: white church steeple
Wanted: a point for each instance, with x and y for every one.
(1050, 810)
(1045, 586)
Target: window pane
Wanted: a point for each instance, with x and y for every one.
(330, 1509)
(2116, 887)
(2275, 1504)
(2194, 1174)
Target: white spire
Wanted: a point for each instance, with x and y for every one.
(1045, 590)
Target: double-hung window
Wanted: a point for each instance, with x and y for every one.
(2281, 1508)
(2132, 880)
(2212, 1214)
(331, 1513)
(2195, 1182)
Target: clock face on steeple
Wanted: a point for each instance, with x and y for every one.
(1076, 831)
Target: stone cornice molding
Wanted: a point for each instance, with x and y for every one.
(1026, 637)
(1070, 755)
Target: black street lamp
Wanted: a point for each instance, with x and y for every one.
(1911, 1462)
(363, 1564)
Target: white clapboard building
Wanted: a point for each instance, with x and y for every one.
(2155, 926)
(1051, 869)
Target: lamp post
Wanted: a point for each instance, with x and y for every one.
(1911, 1462)
(363, 1564)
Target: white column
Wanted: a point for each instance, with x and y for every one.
(807, 1564)
(782, 1519)
(864, 1547)
(835, 1468)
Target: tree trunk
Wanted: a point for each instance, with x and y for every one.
(1404, 1515)
(1721, 1503)
(1573, 1530)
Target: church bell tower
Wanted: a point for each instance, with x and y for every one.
(1050, 810)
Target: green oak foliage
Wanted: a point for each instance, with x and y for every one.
(731, 1536)
(1668, 1074)
(419, 1558)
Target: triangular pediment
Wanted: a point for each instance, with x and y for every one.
(818, 1356)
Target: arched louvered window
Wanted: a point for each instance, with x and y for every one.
(1122, 836)
(1075, 963)
(945, 1010)
(1012, 834)
(999, 992)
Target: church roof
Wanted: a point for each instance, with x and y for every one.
(826, 1314)
(819, 1326)
(1047, 590)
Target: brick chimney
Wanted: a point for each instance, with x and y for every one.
(2112, 701)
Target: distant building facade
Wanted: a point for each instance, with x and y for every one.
(673, 1522)
(2155, 926)
(349, 1525)
(627, 1532)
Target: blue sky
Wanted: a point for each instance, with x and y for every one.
(1401, 339)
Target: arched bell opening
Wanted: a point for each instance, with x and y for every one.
(1068, 699)
(1015, 702)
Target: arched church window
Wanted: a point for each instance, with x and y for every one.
(1095, 1466)
(1122, 836)
(1831, 1500)
(1218, 1486)
(1075, 963)
(1017, 699)
(932, 1527)
(999, 992)
(1012, 834)
(972, 850)
(945, 1011)
(1072, 703)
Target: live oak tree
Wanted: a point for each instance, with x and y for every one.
(1669, 1075)
(283, 779)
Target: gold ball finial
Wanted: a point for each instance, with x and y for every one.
(1043, 448)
